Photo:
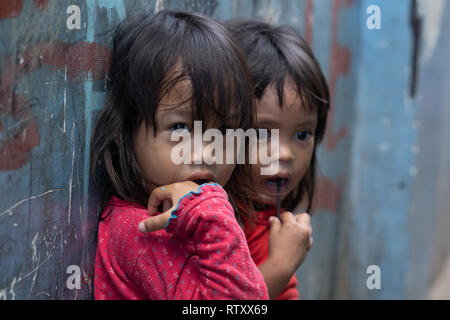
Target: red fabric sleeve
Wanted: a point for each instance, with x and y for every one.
(217, 262)
(221, 262)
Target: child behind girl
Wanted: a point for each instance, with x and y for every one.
(167, 71)
(292, 96)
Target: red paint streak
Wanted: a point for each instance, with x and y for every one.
(10, 8)
(84, 61)
(340, 65)
(13, 8)
(309, 22)
(327, 196)
(20, 140)
(41, 4)
(15, 152)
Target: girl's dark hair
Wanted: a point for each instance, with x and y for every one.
(273, 54)
(150, 55)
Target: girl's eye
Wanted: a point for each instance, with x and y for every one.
(263, 134)
(179, 126)
(303, 135)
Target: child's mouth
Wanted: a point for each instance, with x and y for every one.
(271, 184)
(201, 177)
(201, 181)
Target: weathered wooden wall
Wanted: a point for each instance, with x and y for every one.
(385, 161)
(384, 165)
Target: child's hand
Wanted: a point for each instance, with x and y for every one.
(289, 240)
(171, 193)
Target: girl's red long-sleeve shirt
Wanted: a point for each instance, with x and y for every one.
(257, 235)
(202, 253)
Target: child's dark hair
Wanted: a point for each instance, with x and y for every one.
(150, 55)
(274, 53)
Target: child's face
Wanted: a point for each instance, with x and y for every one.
(297, 127)
(154, 152)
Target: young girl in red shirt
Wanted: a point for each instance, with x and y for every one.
(291, 95)
(167, 71)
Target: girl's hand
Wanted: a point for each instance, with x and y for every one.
(171, 194)
(289, 240)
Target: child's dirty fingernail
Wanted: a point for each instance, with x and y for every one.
(141, 227)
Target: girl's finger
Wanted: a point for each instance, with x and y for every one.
(310, 242)
(303, 218)
(287, 217)
(274, 224)
(158, 195)
(154, 223)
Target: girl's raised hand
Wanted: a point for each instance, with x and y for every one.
(171, 193)
(290, 239)
(289, 242)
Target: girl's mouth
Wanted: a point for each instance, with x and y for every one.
(271, 184)
(202, 181)
(201, 177)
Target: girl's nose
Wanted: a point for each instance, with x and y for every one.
(204, 154)
(197, 154)
(285, 153)
(210, 153)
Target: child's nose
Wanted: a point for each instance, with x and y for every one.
(204, 154)
(285, 153)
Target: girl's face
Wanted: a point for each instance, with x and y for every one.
(296, 140)
(154, 152)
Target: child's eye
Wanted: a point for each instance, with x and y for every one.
(179, 126)
(303, 135)
(263, 134)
